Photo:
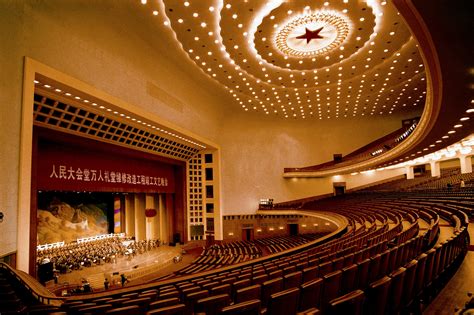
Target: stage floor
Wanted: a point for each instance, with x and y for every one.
(157, 259)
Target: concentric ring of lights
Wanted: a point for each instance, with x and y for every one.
(328, 18)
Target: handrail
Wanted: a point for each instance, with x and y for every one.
(38, 291)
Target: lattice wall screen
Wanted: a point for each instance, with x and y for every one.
(59, 115)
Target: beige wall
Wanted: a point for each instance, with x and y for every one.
(109, 45)
(274, 226)
(255, 152)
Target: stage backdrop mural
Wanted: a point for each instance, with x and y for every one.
(69, 216)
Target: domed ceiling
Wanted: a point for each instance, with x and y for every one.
(302, 59)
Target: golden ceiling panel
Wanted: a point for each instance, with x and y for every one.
(303, 59)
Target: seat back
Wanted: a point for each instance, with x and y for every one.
(163, 303)
(310, 294)
(126, 310)
(212, 305)
(384, 260)
(177, 309)
(396, 291)
(252, 292)
(377, 296)
(98, 309)
(374, 267)
(292, 280)
(245, 308)
(325, 268)
(221, 289)
(409, 282)
(363, 274)
(260, 279)
(192, 298)
(284, 302)
(310, 273)
(140, 302)
(331, 288)
(349, 279)
(420, 274)
(350, 303)
(270, 287)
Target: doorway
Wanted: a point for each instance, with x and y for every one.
(293, 229)
(247, 235)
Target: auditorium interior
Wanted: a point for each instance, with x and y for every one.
(236, 157)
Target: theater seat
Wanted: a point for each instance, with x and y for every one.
(211, 305)
(245, 308)
(351, 303)
(331, 288)
(270, 287)
(178, 309)
(163, 303)
(248, 293)
(127, 310)
(283, 303)
(377, 296)
(310, 295)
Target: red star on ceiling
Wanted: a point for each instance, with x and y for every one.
(309, 34)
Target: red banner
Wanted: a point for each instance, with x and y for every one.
(69, 168)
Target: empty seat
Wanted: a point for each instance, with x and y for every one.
(292, 280)
(98, 309)
(178, 309)
(283, 303)
(245, 308)
(192, 298)
(325, 268)
(351, 303)
(140, 302)
(363, 274)
(127, 310)
(396, 291)
(331, 288)
(212, 305)
(310, 273)
(409, 282)
(374, 268)
(377, 296)
(221, 289)
(384, 260)
(260, 279)
(169, 294)
(163, 303)
(349, 279)
(270, 287)
(248, 293)
(310, 295)
(338, 263)
(240, 284)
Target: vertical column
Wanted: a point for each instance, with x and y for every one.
(163, 220)
(435, 169)
(466, 164)
(130, 215)
(410, 172)
(152, 223)
(169, 206)
(140, 219)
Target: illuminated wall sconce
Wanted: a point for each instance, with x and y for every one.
(303, 225)
(231, 233)
(315, 224)
(281, 227)
(259, 230)
(271, 229)
(327, 223)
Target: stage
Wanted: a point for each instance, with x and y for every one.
(139, 269)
